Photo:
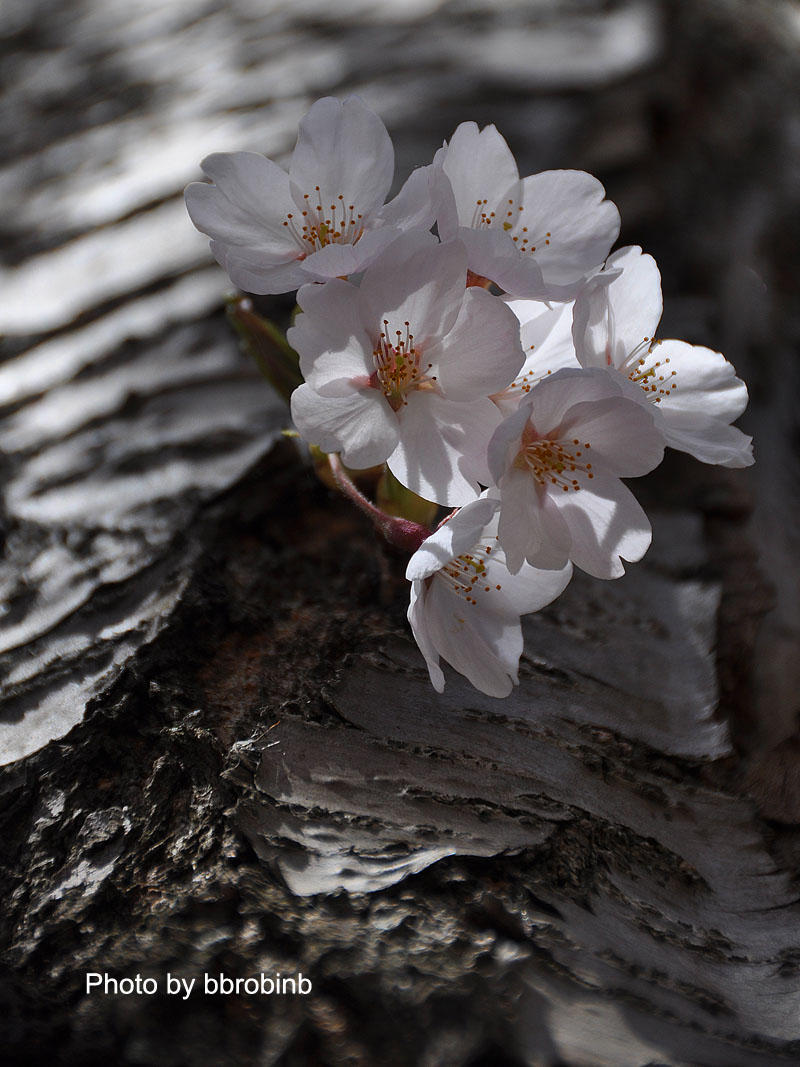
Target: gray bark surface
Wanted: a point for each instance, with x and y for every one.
(220, 749)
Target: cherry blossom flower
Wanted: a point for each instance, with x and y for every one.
(557, 462)
(536, 237)
(400, 369)
(546, 336)
(693, 390)
(465, 606)
(326, 218)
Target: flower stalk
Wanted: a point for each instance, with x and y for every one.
(266, 345)
(399, 532)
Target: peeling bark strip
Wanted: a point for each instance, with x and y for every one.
(221, 751)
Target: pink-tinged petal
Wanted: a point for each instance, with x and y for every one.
(361, 426)
(707, 439)
(441, 454)
(481, 353)
(493, 254)
(458, 534)
(335, 351)
(344, 149)
(417, 204)
(416, 280)
(606, 525)
(480, 166)
(249, 271)
(419, 627)
(622, 434)
(484, 647)
(342, 260)
(694, 380)
(246, 206)
(570, 223)
(505, 441)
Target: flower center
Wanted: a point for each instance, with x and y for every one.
(397, 366)
(319, 225)
(554, 463)
(653, 377)
(507, 218)
(467, 574)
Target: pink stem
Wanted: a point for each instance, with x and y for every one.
(402, 533)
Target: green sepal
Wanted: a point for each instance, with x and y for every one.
(395, 499)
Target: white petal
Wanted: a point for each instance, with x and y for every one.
(345, 150)
(517, 526)
(635, 302)
(553, 396)
(458, 534)
(505, 441)
(330, 339)
(532, 588)
(416, 280)
(480, 166)
(481, 354)
(530, 526)
(417, 203)
(493, 254)
(249, 271)
(361, 426)
(550, 544)
(567, 209)
(546, 332)
(546, 337)
(246, 206)
(591, 324)
(441, 454)
(622, 435)
(419, 627)
(707, 439)
(484, 647)
(705, 382)
(547, 342)
(342, 260)
(605, 523)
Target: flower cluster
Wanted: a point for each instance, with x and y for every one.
(505, 367)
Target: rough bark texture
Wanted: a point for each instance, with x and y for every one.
(221, 750)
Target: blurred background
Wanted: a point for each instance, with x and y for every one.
(126, 405)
